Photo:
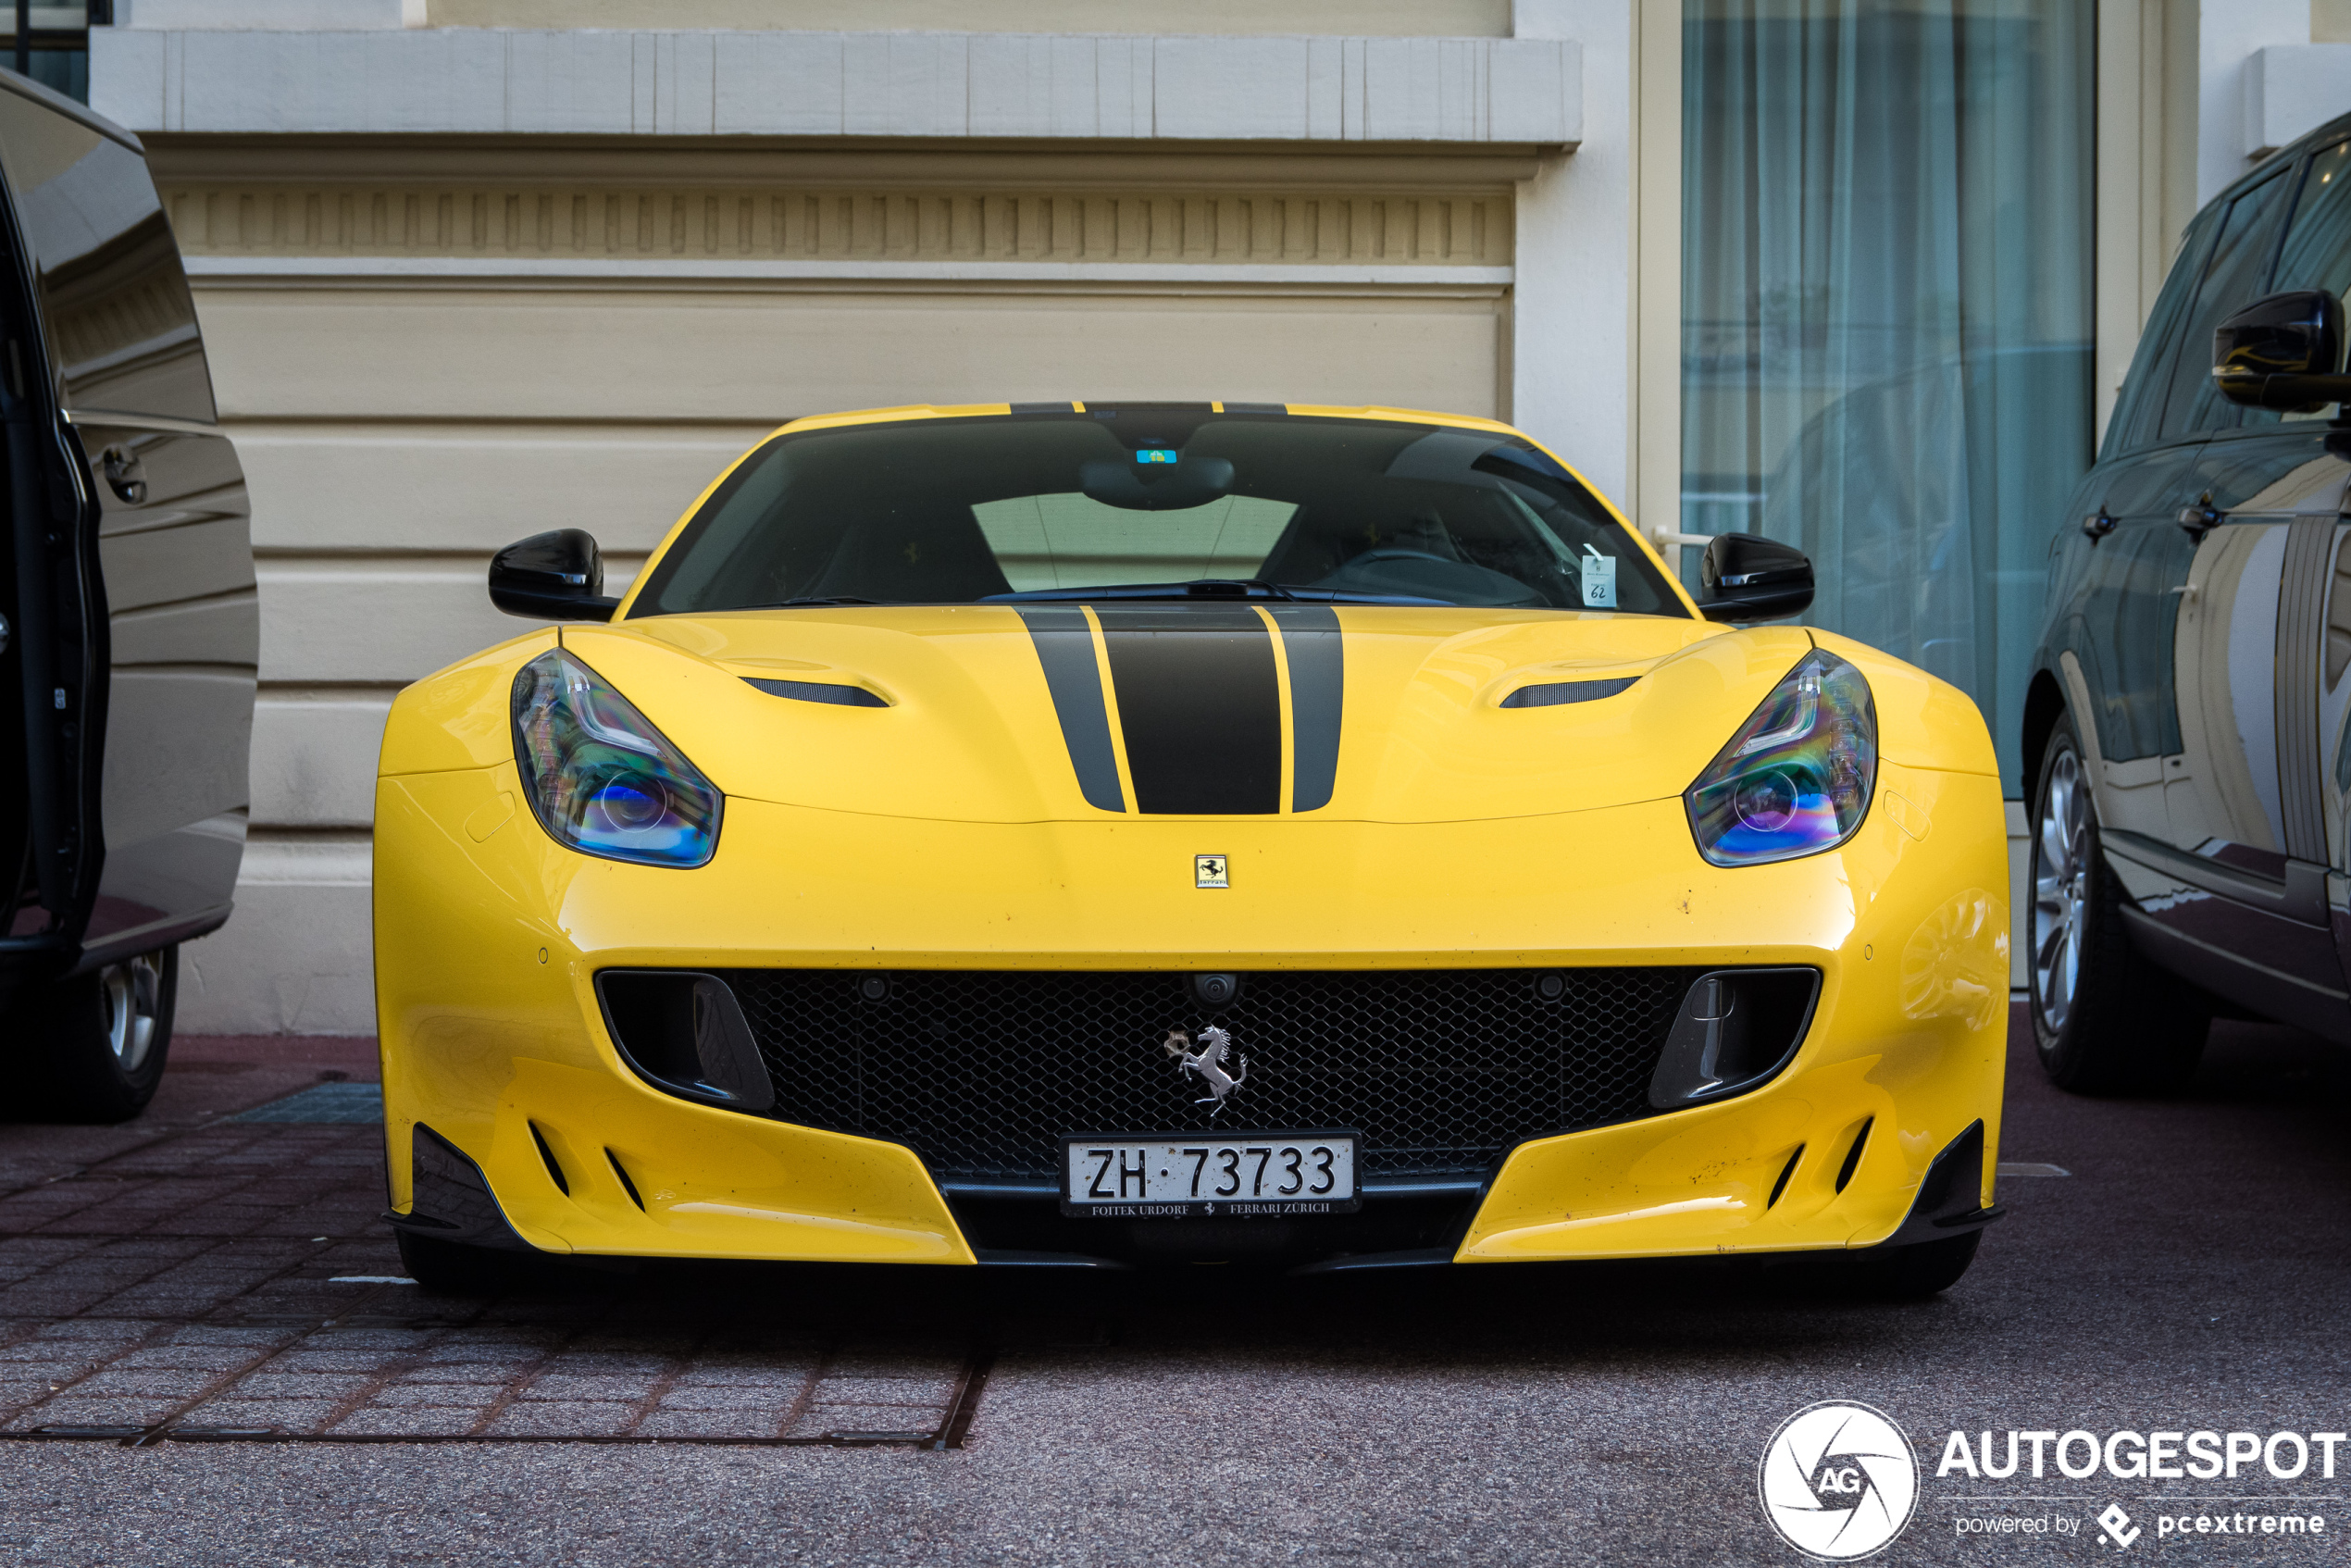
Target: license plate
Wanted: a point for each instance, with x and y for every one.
(1179, 1176)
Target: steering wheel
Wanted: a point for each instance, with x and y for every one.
(1428, 574)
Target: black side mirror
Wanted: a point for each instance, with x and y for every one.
(552, 577)
(2284, 352)
(1750, 577)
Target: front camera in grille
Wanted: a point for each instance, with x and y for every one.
(1214, 993)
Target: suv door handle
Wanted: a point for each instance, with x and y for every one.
(2097, 527)
(2201, 518)
(126, 476)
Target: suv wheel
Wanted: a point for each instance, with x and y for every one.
(2105, 1019)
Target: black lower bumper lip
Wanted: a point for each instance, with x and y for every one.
(1417, 1257)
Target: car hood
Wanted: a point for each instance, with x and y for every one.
(1043, 712)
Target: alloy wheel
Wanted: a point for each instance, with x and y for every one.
(2061, 887)
(134, 991)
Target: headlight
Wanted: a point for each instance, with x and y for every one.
(1795, 779)
(601, 779)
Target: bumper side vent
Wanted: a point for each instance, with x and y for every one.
(626, 1185)
(1786, 1172)
(554, 1167)
(1853, 1155)
(1736, 1029)
(685, 1033)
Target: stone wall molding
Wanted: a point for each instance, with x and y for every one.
(459, 80)
(733, 226)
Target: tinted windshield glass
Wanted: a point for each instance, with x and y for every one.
(967, 510)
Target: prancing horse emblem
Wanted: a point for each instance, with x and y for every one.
(1208, 1063)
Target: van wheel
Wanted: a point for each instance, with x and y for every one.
(2105, 1020)
(102, 1038)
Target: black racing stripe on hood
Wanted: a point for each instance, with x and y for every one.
(1312, 643)
(1199, 702)
(1066, 648)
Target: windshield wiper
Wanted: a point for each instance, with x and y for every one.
(817, 599)
(1210, 588)
(1194, 587)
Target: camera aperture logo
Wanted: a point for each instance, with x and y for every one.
(1838, 1481)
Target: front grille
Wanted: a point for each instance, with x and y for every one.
(982, 1072)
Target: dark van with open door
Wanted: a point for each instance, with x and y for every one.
(2185, 735)
(130, 638)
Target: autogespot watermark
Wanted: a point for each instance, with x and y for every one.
(2128, 1456)
(1840, 1481)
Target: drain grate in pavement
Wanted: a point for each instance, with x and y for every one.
(235, 1284)
(343, 1103)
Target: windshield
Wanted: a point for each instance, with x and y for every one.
(1144, 502)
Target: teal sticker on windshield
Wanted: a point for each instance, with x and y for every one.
(1154, 454)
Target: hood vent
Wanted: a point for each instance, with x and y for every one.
(820, 692)
(1557, 692)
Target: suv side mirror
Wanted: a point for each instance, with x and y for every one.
(1750, 577)
(2284, 352)
(552, 577)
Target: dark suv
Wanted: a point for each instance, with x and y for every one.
(128, 627)
(2185, 735)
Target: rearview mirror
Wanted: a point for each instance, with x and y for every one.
(1750, 577)
(2284, 352)
(1166, 484)
(552, 577)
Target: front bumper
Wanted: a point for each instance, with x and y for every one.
(489, 936)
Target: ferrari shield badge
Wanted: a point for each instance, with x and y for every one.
(1208, 1063)
(1208, 871)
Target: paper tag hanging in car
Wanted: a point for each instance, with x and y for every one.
(1599, 579)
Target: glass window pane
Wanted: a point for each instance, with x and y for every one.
(2317, 253)
(2232, 279)
(1313, 507)
(2138, 418)
(1887, 252)
(2317, 250)
(64, 70)
(1074, 541)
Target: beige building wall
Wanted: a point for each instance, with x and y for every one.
(426, 345)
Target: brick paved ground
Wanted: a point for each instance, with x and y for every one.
(203, 1277)
(2189, 1272)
